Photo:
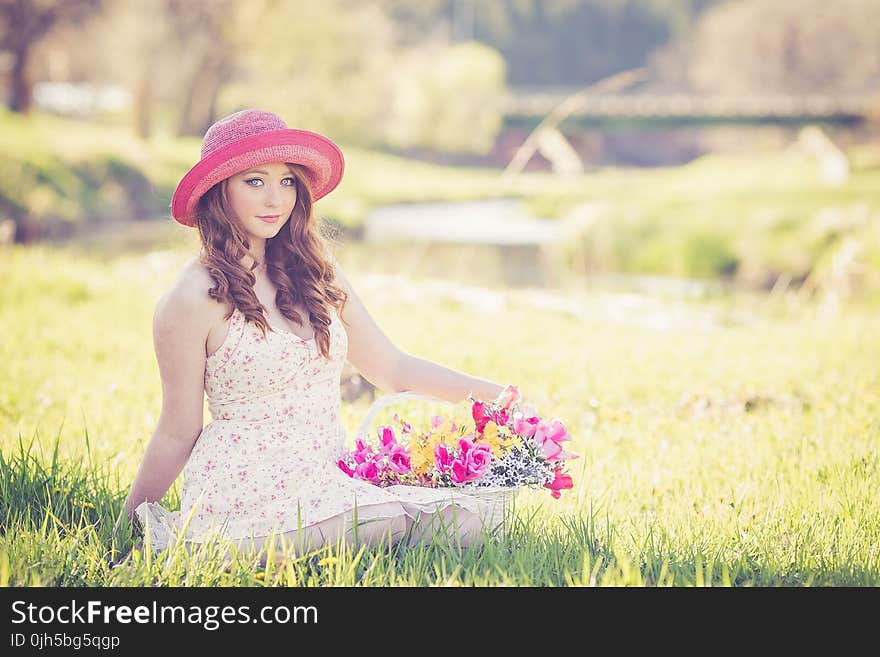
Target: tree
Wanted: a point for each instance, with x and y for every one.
(785, 46)
(172, 55)
(119, 46)
(205, 32)
(22, 24)
(323, 65)
(575, 42)
(446, 98)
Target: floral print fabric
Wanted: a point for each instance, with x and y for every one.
(267, 460)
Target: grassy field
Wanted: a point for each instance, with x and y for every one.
(742, 450)
(753, 217)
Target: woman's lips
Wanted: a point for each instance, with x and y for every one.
(269, 219)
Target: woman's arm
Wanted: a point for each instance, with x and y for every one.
(384, 365)
(428, 378)
(180, 328)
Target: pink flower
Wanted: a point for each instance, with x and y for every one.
(479, 414)
(459, 472)
(387, 439)
(550, 450)
(363, 452)
(560, 482)
(344, 467)
(405, 427)
(442, 457)
(398, 459)
(471, 462)
(525, 427)
(479, 457)
(507, 397)
(500, 418)
(436, 421)
(549, 436)
(367, 471)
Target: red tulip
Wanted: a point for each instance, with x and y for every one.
(560, 482)
(479, 414)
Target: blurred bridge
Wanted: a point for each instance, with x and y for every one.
(533, 103)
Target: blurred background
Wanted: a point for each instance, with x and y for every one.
(634, 142)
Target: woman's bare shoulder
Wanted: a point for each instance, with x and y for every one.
(187, 298)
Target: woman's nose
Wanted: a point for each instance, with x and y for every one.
(273, 196)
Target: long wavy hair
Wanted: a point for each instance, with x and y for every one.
(296, 262)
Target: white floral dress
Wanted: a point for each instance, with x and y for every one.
(267, 460)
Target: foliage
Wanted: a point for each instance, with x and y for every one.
(446, 98)
(752, 217)
(23, 24)
(787, 46)
(576, 42)
(58, 173)
(319, 65)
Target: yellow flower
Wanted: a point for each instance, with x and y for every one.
(421, 455)
(496, 440)
(421, 450)
(328, 561)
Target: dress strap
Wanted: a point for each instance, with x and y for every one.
(234, 333)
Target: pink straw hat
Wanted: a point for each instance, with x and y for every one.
(250, 137)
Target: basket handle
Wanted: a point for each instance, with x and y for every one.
(387, 400)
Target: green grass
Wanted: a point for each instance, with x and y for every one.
(58, 168)
(752, 218)
(740, 452)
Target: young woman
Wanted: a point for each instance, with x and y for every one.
(261, 322)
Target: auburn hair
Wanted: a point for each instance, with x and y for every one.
(297, 262)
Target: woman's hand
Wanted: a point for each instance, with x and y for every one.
(132, 523)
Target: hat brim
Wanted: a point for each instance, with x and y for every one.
(321, 158)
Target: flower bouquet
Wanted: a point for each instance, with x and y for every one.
(500, 445)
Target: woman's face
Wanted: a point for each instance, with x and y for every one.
(262, 198)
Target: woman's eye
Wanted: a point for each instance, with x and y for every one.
(250, 180)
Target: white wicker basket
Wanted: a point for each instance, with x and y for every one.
(496, 502)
